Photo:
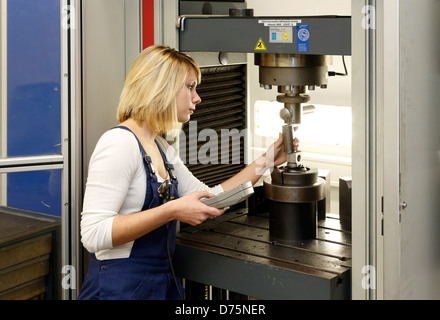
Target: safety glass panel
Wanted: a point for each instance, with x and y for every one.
(31, 80)
(37, 191)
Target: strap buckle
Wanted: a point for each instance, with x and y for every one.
(164, 192)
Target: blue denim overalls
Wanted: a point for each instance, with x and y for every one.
(146, 273)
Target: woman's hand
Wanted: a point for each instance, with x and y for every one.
(275, 155)
(189, 209)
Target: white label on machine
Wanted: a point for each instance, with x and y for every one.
(279, 23)
(280, 34)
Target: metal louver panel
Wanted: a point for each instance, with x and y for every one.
(223, 106)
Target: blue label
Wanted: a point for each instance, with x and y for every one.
(303, 35)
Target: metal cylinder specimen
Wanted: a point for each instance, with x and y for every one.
(288, 138)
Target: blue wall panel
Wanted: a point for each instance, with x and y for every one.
(34, 99)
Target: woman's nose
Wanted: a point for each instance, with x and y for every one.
(196, 98)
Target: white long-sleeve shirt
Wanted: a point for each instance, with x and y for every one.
(116, 184)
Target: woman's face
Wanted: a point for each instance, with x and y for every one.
(187, 98)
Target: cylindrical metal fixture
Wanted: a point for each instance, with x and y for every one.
(292, 222)
(292, 73)
(292, 69)
(293, 192)
(292, 195)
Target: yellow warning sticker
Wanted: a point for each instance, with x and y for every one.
(260, 46)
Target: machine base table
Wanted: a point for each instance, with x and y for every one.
(237, 255)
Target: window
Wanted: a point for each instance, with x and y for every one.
(324, 129)
(30, 97)
(37, 191)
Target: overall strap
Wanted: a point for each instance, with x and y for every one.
(168, 166)
(148, 170)
(145, 156)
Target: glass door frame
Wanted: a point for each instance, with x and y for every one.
(70, 159)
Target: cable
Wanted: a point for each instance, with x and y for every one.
(333, 73)
(345, 66)
(171, 262)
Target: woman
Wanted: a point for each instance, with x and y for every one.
(127, 222)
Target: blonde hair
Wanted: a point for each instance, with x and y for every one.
(151, 87)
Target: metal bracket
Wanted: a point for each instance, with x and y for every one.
(402, 206)
(180, 24)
